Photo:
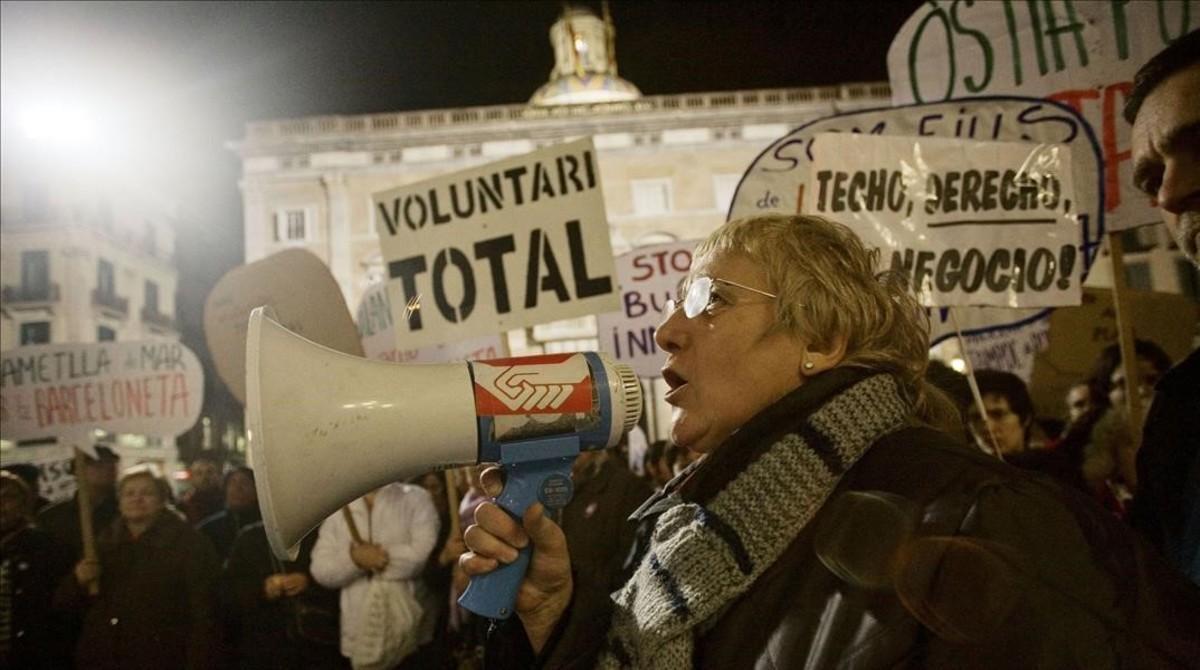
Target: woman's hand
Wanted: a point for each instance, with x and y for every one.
(293, 583)
(273, 587)
(495, 538)
(369, 557)
(87, 572)
(453, 548)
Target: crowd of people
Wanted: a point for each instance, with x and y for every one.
(191, 581)
(828, 498)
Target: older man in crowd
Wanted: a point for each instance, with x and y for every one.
(1164, 108)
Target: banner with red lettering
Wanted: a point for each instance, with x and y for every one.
(1083, 54)
(151, 387)
(648, 277)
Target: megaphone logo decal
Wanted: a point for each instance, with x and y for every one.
(553, 384)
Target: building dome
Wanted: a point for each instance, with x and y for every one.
(585, 63)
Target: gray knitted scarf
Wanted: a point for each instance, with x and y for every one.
(702, 558)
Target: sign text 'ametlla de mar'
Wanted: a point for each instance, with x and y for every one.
(149, 388)
(511, 244)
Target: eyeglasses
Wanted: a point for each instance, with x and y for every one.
(700, 297)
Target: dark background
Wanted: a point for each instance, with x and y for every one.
(184, 78)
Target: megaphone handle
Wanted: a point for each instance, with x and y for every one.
(492, 595)
(528, 480)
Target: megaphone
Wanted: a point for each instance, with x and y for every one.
(325, 427)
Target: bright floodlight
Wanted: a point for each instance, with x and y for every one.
(58, 123)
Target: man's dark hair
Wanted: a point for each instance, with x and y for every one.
(1011, 387)
(1110, 359)
(1180, 54)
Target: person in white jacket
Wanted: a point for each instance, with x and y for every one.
(398, 524)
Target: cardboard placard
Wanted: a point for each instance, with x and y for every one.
(1078, 335)
(1084, 54)
(305, 297)
(648, 277)
(969, 222)
(153, 387)
(510, 244)
(777, 181)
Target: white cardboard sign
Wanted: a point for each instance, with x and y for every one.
(777, 180)
(376, 326)
(154, 387)
(507, 245)
(648, 277)
(1083, 53)
(969, 222)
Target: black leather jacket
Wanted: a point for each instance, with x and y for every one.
(930, 554)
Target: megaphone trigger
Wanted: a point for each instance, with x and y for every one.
(538, 470)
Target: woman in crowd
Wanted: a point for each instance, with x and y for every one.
(828, 524)
(156, 578)
(241, 510)
(279, 616)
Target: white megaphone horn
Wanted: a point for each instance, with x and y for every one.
(326, 427)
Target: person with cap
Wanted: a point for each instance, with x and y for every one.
(1165, 114)
(61, 520)
(31, 564)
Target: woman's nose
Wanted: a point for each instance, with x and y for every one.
(671, 333)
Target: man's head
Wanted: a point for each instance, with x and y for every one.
(16, 502)
(1009, 412)
(101, 473)
(1079, 400)
(1108, 375)
(205, 474)
(240, 493)
(1164, 110)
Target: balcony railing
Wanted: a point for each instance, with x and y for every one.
(30, 295)
(110, 301)
(156, 318)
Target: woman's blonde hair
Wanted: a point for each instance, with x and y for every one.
(829, 284)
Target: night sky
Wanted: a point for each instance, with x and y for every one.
(179, 80)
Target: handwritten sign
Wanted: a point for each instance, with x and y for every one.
(149, 388)
(376, 328)
(1083, 54)
(970, 223)
(507, 245)
(648, 277)
(777, 181)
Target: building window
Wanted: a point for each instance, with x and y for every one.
(35, 332)
(151, 303)
(1189, 278)
(1137, 276)
(35, 274)
(106, 283)
(292, 225)
(724, 186)
(106, 334)
(651, 196)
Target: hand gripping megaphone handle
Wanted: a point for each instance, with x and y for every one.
(536, 470)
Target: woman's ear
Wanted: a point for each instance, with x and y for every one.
(818, 359)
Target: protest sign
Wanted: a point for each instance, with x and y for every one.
(1077, 335)
(1081, 53)
(648, 277)
(153, 387)
(969, 222)
(306, 299)
(376, 328)
(507, 245)
(777, 180)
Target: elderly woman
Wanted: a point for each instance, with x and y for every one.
(828, 525)
(156, 580)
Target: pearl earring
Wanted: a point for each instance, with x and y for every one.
(808, 365)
